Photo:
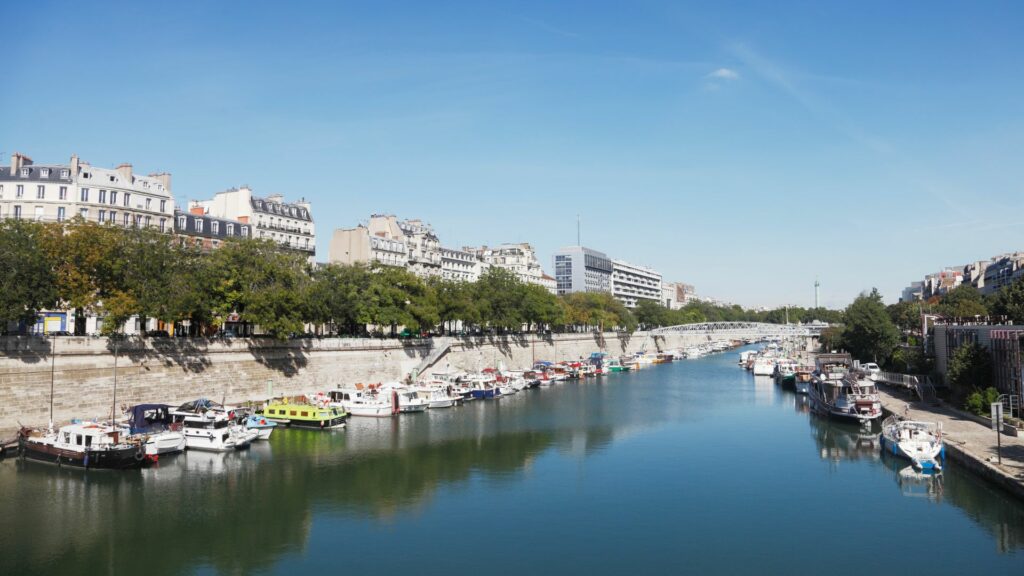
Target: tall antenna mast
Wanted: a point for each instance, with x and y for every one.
(817, 286)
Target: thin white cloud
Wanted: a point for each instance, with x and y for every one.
(724, 74)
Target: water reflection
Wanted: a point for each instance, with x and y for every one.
(262, 509)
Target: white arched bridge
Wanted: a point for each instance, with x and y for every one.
(740, 330)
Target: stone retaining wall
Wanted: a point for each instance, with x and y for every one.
(177, 370)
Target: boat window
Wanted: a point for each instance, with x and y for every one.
(88, 441)
(78, 439)
(305, 414)
(221, 424)
(67, 438)
(324, 415)
(292, 413)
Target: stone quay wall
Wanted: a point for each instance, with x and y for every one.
(173, 370)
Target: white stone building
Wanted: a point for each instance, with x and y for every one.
(59, 192)
(461, 265)
(423, 245)
(290, 224)
(520, 259)
(381, 241)
(631, 283)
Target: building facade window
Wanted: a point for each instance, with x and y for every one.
(24, 172)
(20, 191)
(113, 216)
(138, 221)
(44, 172)
(149, 221)
(102, 197)
(62, 194)
(60, 214)
(245, 231)
(163, 205)
(182, 223)
(127, 200)
(84, 213)
(149, 202)
(102, 216)
(215, 227)
(113, 197)
(84, 196)
(65, 173)
(39, 213)
(163, 224)
(40, 192)
(198, 224)
(17, 212)
(230, 229)
(127, 219)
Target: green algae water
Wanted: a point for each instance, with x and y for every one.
(691, 467)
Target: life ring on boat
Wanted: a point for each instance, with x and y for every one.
(139, 455)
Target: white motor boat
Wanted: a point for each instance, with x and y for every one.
(847, 399)
(408, 398)
(437, 395)
(208, 427)
(359, 402)
(919, 442)
(154, 427)
(764, 365)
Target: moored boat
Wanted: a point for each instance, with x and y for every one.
(362, 402)
(299, 412)
(919, 442)
(83, 445)
(153, 425)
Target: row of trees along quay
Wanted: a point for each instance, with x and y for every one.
(117, 273)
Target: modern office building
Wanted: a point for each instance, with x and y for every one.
(580, 269)
(632, 283)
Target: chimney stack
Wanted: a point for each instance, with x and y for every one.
(164, 179)
(17, 161)
(74, 165)
(126, 172)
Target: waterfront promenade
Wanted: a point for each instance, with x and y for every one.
(970, 443)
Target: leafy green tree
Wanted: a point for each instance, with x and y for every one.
(907, 315)
(261, 282)
(651, 314)
(1010, 301)
(499, 295)
(28, 283)
(397, 297)
(598, 310)
(964, 301)
(338, 296)
(456, 303)
(869, 331)
(969, 369)
(539, 307)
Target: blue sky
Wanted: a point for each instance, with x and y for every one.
(744, 147)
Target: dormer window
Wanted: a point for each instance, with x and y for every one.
(215, 227)
(113, 179)
(44, 172)
(182, 222)
(65, 173)
(245, 230)
(231, 229)
(199, 224)
(24, 172)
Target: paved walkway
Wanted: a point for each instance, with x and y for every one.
(977, 441)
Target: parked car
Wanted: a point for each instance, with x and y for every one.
(158, 334)
(871, 369)
(59, 333)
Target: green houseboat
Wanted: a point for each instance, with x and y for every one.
(299, 412)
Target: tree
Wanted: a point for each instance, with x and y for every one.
(499, 294)
(1010, 301)
(338, 296)
(651, 314)
(262, 283)
(28, 283)
(397, 297)
(539, 307)
(906, 315)
(970, 369)
(964, 301)
(455, 302)
(869, 331)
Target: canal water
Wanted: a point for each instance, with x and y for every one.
(692, 467)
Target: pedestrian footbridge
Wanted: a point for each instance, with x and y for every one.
(740, 330)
